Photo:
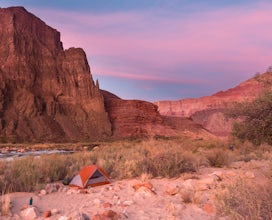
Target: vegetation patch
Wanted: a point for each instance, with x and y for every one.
(244, 199)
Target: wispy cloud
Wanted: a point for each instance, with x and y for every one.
(192, 48)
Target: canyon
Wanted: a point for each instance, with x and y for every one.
(47, 94)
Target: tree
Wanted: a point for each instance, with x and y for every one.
(256, 119)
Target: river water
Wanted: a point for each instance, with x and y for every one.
(15, 154)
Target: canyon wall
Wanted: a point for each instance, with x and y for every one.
(46, 93)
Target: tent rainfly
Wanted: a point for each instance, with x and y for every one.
(90, 176)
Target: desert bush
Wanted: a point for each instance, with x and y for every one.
(22, 175)
(167, 164)
(218, 157)
(257, 119)
(246, 200)
(187, 196)
(247, 151)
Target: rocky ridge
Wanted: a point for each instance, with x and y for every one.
(209, 111)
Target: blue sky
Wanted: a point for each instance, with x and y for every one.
(164, 49)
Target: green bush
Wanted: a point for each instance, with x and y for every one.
(256, 124)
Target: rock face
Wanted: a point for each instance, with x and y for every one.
(209, 111)
(46, 93)
(135, 118)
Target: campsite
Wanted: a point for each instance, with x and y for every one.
(141, 180)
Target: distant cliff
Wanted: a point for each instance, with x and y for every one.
(46, 93)
(209, 111)
(135, 118)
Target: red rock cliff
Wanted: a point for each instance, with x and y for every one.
(209, 110)
(46, 93)
(135, 118)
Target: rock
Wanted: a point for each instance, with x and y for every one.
(99, 217)
(106, 205)
(55, 211)
(249, 175)
(209, 208)
(189, 184)
(52, 187)
(205, 184)
(47, 214)
(111, 214)
(97, 201)
(77, 216)
(128, 202)
(43, 192)
(144, 184)
(172, 190)
(47, 93)
(30, 213)
(144, 189)
(116, 197)
(144, 192)
(107, 215)
(218, 175)
(63, 218)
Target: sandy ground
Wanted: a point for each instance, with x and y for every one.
(191, 196)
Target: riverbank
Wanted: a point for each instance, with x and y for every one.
(199, 195)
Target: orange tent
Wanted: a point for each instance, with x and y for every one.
(92, 175)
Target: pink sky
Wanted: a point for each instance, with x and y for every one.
(217, 47)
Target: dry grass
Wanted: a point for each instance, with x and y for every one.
(246, 200)
(5, 205)
(124, 159)
(187, 196)
(3, 164)
(219, 157)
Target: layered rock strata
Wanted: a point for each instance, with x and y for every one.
(209, 111)
(135, 118)
(46, 93)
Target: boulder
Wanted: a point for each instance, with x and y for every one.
(77, 216)
(107, 215)
(30, 213)
(47, 214)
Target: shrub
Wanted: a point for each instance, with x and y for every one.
(257, 119)
(218, 158)
(167, 164)
(246, 200)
